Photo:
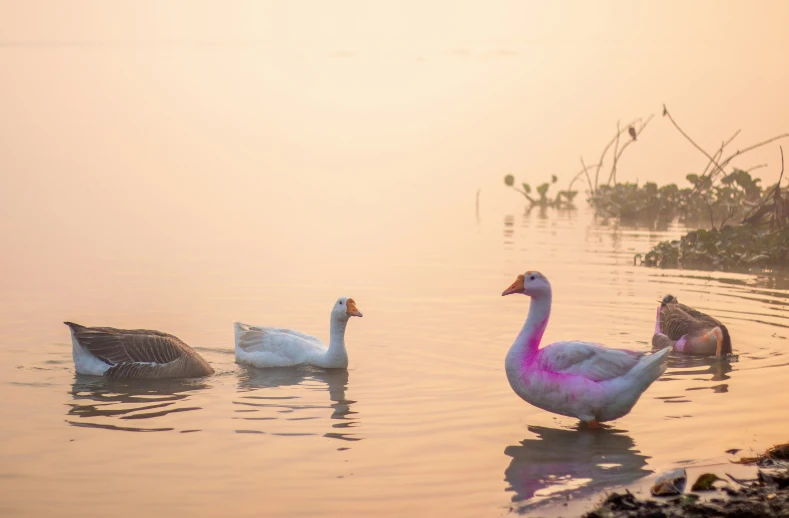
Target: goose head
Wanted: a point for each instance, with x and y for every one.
(345, 308)
(533, 284)
(724, 347)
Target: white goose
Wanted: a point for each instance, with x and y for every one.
(274, 347)
(577, 379)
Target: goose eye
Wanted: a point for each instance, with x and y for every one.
(531, 278)
(340, 303)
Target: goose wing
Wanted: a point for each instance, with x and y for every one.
(592, 361)
(122, 346)
(678, 320)
(275, 340)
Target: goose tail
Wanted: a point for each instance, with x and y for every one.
(73, 326)
(650, 368)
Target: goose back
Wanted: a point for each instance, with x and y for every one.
(140, 353)
(678, 320)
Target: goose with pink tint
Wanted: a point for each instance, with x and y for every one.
(274, 347)
(689, 331)
(577, 379)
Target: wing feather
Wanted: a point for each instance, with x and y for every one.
(678, 320)
(285, 343)
(590, 360)
(118, 346)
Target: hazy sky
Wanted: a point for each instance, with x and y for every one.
(205, 121)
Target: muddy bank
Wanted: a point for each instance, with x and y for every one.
(712, 495)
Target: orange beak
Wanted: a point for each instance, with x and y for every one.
(516, 287)
(352, 311)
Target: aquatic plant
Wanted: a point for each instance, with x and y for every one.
(701, 202)
(562, 199)
(760, 239)
(714, 197)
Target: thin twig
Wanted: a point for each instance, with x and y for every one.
(719, 153)
(756, 209)
(618, 156)
(779, 213)
(732, 211)
(758, 206)
(588, 178)
(712, 221)
(624, 146)
(666, 113)
(605, 150)
(759, 166)
(616, 152)
(524, 193)
(576, 177)
(749, 148)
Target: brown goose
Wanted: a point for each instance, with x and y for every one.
(133, 353)
(689, 331)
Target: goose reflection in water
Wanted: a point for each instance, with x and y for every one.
(253, 399)
(562, 462)
(703, 369)
(116, 404)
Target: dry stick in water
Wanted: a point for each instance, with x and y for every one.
(718, 154)
(712, 160)
(605, 150)
(588, 178)
(757, 166)
(750, 148)
(577, 176)
(721, 165)
(779, 216)
(616, 152)
(769, 193)
(624, 146)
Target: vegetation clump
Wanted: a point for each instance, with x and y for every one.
(739, 223)
(563, 199)
(760, 239)
(698, 203)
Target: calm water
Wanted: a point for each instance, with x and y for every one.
(183, 165)
(423, 422)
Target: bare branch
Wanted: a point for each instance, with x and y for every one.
(577, 176)
(778, 204)
(716, 156)
(712, 160)
(759, 166)
(750, 148)
(712, 221)
(616, 153)
(588, 178)
(757, 210)
(605, 150)
(640, 130)
(720, 151)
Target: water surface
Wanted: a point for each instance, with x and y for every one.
(422, 421)
(180, 166)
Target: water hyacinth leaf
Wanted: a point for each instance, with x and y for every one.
(527, 188)
(509, 180)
